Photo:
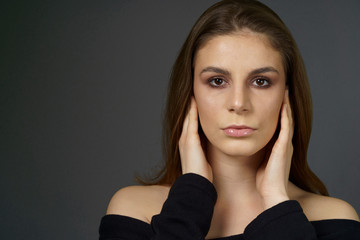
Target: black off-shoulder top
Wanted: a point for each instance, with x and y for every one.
(187, 213)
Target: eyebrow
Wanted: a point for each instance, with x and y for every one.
(216, 70)
(264, 70)
(226, 72)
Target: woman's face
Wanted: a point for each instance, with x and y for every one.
(239, 87)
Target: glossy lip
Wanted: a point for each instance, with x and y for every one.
(239, 127)
(238, 130)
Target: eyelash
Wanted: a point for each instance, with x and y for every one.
(267, 85)
(213, 85)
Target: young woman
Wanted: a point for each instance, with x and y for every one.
(236, 132)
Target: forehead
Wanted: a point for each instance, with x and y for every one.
(243, 49)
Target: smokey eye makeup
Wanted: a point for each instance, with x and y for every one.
(261, 82)
(258, 82)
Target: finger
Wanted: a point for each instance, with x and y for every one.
(289, 114)
(185, 127)
(283, 146)
(284, 134)
(193, 118)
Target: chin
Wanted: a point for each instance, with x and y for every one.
(239, 148)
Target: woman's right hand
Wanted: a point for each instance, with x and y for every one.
(192, 155)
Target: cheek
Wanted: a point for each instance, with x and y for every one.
(208, 106)
(207, 109)
(271, 113)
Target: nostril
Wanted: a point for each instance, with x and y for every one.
(238, 109)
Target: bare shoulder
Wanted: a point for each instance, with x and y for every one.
(140, 202)
(317, 207)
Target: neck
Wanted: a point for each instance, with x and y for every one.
(235, 176)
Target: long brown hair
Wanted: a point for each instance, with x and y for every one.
(226, 17)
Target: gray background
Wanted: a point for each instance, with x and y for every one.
(82, 91)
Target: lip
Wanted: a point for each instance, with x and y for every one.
(238, 130)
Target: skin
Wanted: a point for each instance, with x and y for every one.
(249, 174)
(228, 89)
(239, 79)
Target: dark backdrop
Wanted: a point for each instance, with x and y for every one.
(82, 91)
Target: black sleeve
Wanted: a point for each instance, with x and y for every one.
(187, 212)
(286, 221)
(186, 215)
(282, 222)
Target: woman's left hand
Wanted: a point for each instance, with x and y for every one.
(273, 175)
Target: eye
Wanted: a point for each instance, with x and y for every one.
(216, 82)
(261, 82)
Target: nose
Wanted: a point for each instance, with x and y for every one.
(239, 100)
